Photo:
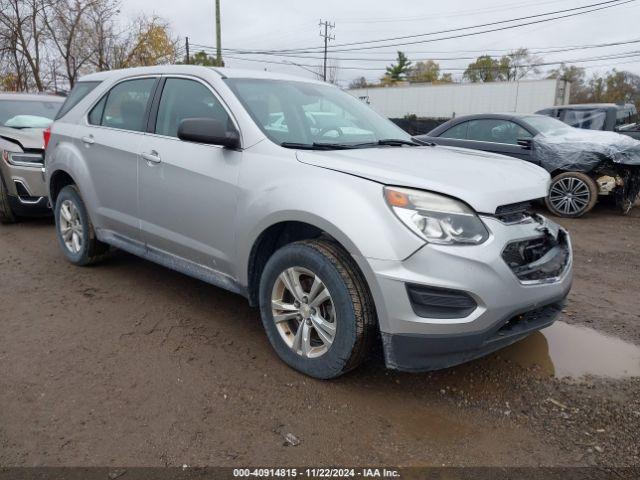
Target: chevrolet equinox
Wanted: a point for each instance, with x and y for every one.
(346, 232)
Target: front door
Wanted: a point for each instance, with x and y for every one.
(188, 191)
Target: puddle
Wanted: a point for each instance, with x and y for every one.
(564, 350)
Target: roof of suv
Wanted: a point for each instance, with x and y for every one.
(30, 97)
(589, 106)
(195, 69)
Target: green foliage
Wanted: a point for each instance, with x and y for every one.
(201, 58)
(510, 67)
(612, 87)
(398, 71)
(425, 72)
(484, 69)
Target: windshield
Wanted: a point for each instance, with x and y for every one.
(298, 113)
(593, 119)
(546, 125)
(28, 113)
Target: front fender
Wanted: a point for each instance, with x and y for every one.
(350, 209)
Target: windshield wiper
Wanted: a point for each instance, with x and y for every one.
(396, 142)
(317, 146)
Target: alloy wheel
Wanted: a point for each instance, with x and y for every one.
(569, 195)
(71, 228)
(303, 312)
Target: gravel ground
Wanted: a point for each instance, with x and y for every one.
(127, 363)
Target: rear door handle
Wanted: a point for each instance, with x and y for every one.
(152, 157)
(89, 140)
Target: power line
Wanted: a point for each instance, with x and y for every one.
(585, 9)
(551, 50)
(622, 55)
(487, 51)
(459, 13)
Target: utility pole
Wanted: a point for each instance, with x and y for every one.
(325, 28)
(218, 36)
(186, 46)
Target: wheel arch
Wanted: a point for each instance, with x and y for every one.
(57, 181)
(282, 232)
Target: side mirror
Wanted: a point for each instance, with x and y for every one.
(525, 143)
(208, 131)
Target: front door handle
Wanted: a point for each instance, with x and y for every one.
(152, 157)
(89, 140)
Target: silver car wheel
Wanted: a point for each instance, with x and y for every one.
(71, 228)
(303, 312)
(569, 195)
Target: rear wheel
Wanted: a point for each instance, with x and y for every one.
(572, 194)
(316, 308)
(74, 229)
(6, 214)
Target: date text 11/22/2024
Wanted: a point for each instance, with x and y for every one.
(316, 473)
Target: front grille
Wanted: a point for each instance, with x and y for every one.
(538, 259)
(527, 321)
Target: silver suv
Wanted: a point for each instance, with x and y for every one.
(345, 232)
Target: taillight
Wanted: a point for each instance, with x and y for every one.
(47, 136)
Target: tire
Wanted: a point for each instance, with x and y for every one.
(71, 216)
(6, 214)
(572, 194)
(348, 314)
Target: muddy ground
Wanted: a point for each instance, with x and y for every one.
(127, 363)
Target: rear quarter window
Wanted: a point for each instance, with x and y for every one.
(78, 92)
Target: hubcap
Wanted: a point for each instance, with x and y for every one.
(71, 227)
(569, 195)
(303, 312)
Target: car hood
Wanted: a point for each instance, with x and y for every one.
(584, 150)
(29, 138)
(485, 181)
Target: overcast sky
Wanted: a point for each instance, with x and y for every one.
(285, 24)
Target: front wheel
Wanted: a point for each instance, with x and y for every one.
(316, 308)
(572, 194)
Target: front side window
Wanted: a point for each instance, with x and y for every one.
(496, 131)
(182, 98)
(294, 113)
(125, 106)
(459, 132)
(28, 113)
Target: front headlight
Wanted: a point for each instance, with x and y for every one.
(436, 218)
(23, 159)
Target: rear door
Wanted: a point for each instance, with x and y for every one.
(111, 141)
(188, 190)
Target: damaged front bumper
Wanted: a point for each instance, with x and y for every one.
(445, 305)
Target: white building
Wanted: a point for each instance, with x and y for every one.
(453, 99)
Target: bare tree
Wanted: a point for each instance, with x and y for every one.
(69, 28)
(333, 72)
(23, 30)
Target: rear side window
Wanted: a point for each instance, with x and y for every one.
(459, 132)
(78, 92)
(182, 98)
(125, 106)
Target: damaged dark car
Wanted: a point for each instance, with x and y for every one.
(584, 164)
